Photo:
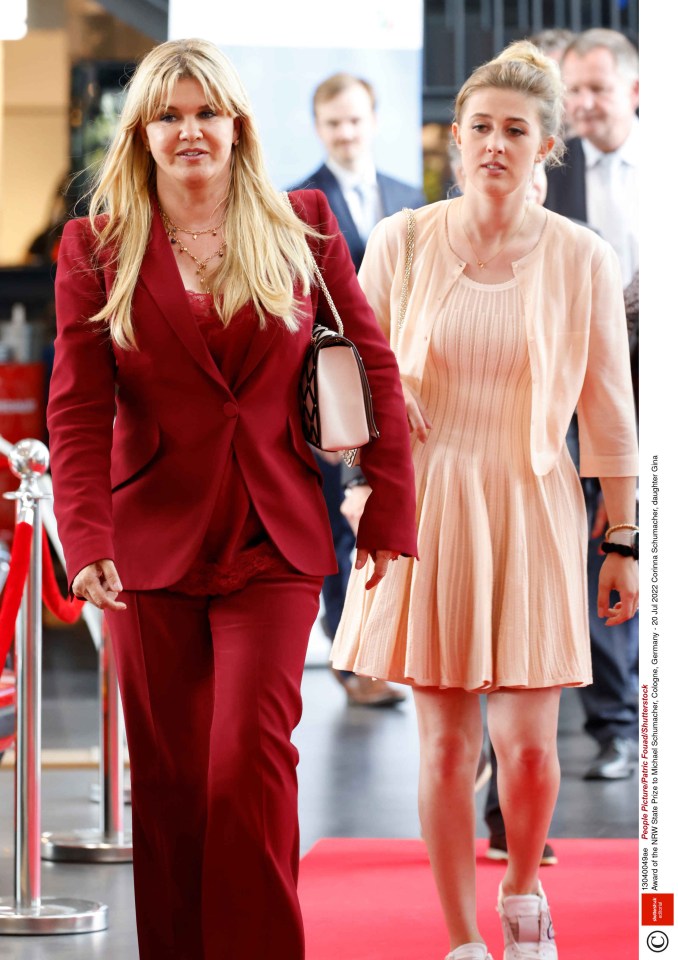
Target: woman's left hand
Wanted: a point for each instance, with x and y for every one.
(620, 574)
(353, 505)
(381, 561)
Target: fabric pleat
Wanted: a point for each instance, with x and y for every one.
(498, 598)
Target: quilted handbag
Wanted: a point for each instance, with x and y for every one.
(335, 397)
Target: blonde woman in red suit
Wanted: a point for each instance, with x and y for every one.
(188, 503)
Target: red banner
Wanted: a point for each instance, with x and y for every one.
(22, 415)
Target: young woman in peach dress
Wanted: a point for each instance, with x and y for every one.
(515, 317)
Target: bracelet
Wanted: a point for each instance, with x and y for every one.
(620, 548)
(620, 526)
(355, 482)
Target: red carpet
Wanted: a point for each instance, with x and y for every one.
(375, 900)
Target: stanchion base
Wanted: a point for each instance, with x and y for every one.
(95, 793)
(54, 915)
(87, 846)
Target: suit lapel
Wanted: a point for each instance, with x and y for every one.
(260, 343)
(329, 185)
(389, 202)
(579, 182)
(160, 275)
(567, 184)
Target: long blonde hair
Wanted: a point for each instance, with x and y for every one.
(524, 68)
(266, 249)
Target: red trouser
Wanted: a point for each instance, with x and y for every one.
(210, 690)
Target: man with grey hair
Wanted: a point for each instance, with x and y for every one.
(599, 181)
(599, 184)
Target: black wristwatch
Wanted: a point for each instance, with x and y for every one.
(623, 549)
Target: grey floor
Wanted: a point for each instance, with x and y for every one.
(357, 778)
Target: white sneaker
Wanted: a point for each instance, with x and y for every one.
(527, 926)
(469, 951)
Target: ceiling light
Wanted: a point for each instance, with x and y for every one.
(13, 17)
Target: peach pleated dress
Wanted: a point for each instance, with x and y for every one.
(498, 598)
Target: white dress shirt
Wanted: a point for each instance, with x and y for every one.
(361, 193)
(612, 185)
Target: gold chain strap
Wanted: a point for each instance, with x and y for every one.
(321, 280)
(409, 257)
(328, 297)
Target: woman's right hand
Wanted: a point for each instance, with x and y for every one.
(99, 583)
(381, 559)
(416, 414)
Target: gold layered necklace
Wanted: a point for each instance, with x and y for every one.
(483, 263)
(172, 229)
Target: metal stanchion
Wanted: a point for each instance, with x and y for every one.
(110, 843)
(98, 789)
(4, 568)
(95, 793)
(29, 912)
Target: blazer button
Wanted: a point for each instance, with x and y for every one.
(231, 409)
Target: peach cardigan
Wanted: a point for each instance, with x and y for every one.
(575, 325)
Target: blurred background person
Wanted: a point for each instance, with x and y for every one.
(344, 111)
(553, 41)
(44, 247)
(599, 183)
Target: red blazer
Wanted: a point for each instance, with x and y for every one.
(140, 438)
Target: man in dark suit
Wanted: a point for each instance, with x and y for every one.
(598, 184)
(359, 195)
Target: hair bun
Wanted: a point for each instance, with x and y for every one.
(523, 51)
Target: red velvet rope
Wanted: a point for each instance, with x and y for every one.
(14, 587)
(66, 610)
